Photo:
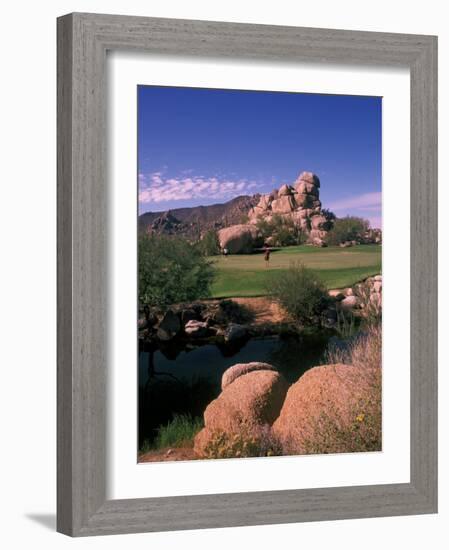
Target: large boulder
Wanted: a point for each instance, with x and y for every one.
(251, 400)
(264, 202)
(304, 201)
(283, 205)
(235, 371)
(306, 188)
(309, 177)
(197, 329)
(285, 190)
(239, 239)
(320, 395)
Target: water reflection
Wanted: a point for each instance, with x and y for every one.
(185, 380)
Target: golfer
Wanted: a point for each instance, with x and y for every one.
(267, 256)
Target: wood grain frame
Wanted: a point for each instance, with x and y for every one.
(83, 40)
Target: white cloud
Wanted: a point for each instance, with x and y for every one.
(154, 188)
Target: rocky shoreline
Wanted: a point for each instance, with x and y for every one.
(232, 321)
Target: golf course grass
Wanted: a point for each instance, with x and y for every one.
(247, 274)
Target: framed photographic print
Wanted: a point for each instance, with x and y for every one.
(247, 282)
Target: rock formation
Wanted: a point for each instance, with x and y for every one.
(300, 202)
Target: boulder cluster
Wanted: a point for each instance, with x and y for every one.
(257, 396)
(365, 298)
(222, 321)
(299, 203)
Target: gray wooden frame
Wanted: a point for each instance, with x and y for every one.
(83, 40)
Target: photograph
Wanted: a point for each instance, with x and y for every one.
(259, 234)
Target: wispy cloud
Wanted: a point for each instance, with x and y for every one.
(369, 202)
(155, 188)
(368, 206)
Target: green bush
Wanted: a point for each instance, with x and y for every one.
(301, 292)
(282, 230)
(178, 433)
(345, 229)
(171, 270)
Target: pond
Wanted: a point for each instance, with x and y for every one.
(291, 356)
(185, 380)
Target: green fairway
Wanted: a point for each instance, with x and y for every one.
(247, 275)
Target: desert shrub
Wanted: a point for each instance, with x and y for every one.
(350, 228)
(265, 227)
(359, 427)
(171, 270)
(346, 325)
(370, 306)
(243, 441)
(281, 230)
(178, 433)
(209, 245)
(364, 350)
(301, 292)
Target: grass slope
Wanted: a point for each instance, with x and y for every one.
(247, 275)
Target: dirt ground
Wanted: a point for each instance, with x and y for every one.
(264, 309)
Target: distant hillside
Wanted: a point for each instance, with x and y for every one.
(196, 220)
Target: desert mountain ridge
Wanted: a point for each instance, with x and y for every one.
(298, 202)
(195, 220)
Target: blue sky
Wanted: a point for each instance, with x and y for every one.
(201, 146)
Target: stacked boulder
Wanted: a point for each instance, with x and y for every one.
(300, 202)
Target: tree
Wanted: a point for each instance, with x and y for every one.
(209, 244)
(328, 214)
(171, 270)
(301, 292)
(349, 228)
